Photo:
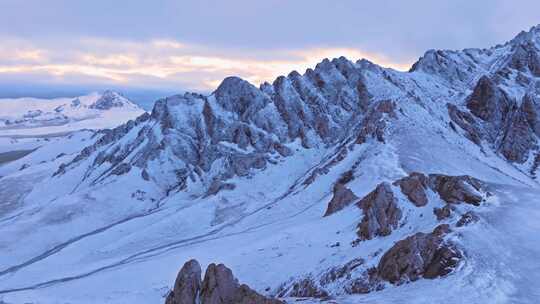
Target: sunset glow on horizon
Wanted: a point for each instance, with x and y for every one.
(166, 62)
(176, 46)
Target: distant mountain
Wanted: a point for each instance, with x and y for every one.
(31, 116)
(350, 183)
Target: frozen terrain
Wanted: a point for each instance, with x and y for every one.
(350, 183)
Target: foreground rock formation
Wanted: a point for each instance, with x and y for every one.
(381, 213)
(420, 255)
(219, 286)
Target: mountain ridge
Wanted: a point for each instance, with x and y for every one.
(334, 96)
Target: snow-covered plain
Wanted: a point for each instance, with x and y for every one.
(77, 229)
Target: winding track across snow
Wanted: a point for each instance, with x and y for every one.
(205, 237)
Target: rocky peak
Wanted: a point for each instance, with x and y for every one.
(461, 67)
(532, 35)
(240, 97)
(110, 99)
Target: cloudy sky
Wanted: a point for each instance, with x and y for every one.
(176, 45)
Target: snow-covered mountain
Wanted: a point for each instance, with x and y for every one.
(351, 183)
(32, 116)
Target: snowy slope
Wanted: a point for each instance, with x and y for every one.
(245, 175)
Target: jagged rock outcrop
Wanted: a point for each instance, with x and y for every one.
(511, 128)
(221, 287)
(343, 197)
(381, 213)
(524, 55)
(489, 102)
(468, 218)
(457, 189)
(451, 189)
(443, 213)
(499, 111)
(520, 133)
(187, 285)
(414, 187)
(420, 255)
(218, 287)
(530, 106)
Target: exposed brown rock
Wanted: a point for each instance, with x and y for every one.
(221, 287)
(467, 219)
(343, 197)
(488, 102)
(457, 189)
(414, 187)
(187, 284)
(346, 177)
(443, 213)
(381, 213)
(519, 134)
(420, 255)
(218, 287)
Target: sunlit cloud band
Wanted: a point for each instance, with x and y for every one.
(161, 63)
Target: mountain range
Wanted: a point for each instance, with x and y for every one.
(350, 183)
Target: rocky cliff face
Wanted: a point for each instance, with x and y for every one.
(240, 128)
